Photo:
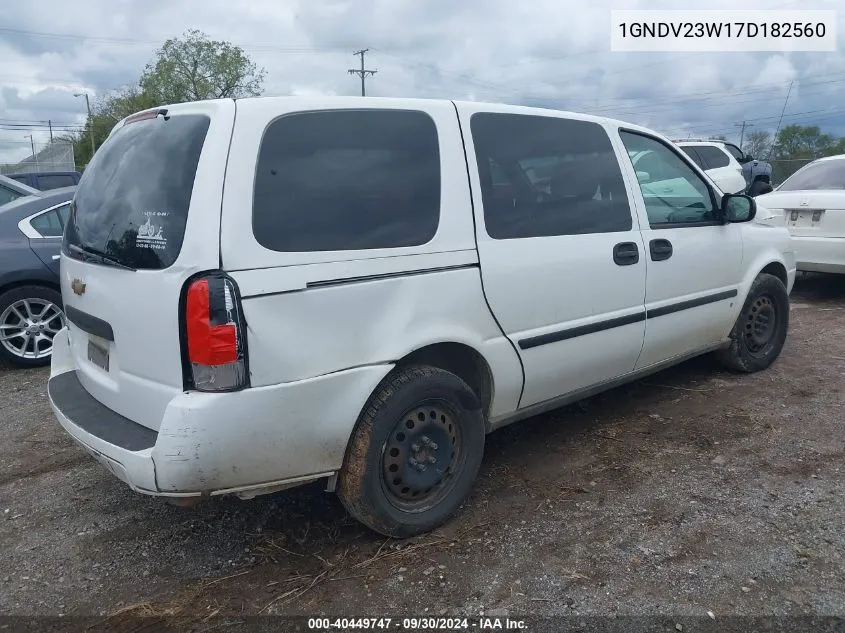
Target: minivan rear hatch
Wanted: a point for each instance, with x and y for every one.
(145, 218)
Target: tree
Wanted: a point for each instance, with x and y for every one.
(195, 67)
(802, 141)
(187, 69)
(757, 143)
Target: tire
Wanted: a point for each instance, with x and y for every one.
(419, 423)
(17, 350)
(760, 331)
(759, 187)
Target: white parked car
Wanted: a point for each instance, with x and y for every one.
(812, 204)
(271, 291)
(719, 163)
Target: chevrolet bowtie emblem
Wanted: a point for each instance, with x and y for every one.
(78, 287)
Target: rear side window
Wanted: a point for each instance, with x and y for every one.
(712, 157)
(690, 151)
(544, 176)
(132, 203)
(51, 224)
(347, 180)
(55, 181)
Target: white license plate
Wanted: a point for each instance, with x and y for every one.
(98, 355)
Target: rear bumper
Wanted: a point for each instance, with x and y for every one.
(247, 442)
(820, 254)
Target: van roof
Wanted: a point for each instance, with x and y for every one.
(357, 102)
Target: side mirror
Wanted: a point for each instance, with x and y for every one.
(738, 208)
(643, 176)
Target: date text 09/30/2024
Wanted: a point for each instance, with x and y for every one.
(417, 624)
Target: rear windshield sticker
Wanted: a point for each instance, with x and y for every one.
(151, 235)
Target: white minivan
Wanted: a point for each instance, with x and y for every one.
(266, 292)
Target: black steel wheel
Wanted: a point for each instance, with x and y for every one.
(760, 331)
(415, 452)
(421, 456)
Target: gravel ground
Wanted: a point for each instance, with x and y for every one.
(691, 491)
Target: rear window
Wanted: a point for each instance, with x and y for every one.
(828, 174)
(132, 202)
(347, 180)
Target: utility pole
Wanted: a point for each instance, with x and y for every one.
(742, 125)
(32, 144)
(50, 123)
(90, 121)
(780, 120)
(362, 72)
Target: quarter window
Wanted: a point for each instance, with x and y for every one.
(544, 176)
(347, 180)
(712, 157)
(672, 191)
(50, 224)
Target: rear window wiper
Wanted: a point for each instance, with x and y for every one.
(104, 258)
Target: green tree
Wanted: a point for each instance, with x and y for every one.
(195, 67)
(802, 141)
(758, 143)
(188, 69)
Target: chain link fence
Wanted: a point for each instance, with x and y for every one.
(54, 156)
(784, 168)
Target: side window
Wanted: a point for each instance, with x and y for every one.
(54, 181)
(347, 180)
(544, 176)
(673, 192)
(690, 151)
(7, 195)
(713, 157)
(734, 151)
(48, 224)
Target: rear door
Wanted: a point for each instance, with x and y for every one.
(46, 236)
(561, 253)
(145, 217)
(725, 172)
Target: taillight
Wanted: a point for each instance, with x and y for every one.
(215, 335)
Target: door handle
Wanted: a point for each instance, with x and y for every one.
(660, 250)
(626, 254)
(55, 257)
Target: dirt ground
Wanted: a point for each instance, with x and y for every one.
(693, 490)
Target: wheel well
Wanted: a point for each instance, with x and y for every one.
(762, 178)
(778, 270)
(40, 282)
(461, 360)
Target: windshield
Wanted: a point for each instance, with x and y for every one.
(827, 174)
(132, 202)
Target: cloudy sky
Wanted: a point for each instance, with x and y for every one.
(552, 53)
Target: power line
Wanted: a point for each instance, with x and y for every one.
(362, 72)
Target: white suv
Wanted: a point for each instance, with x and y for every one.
(720, 164)
(266, 292)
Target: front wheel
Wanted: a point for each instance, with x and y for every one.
(760, 331)
(415, 453)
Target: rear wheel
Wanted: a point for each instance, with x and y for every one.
(30, 316)
(415, 453)
(760, 331)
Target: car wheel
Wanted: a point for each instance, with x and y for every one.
(30, 316)
(760, 331)
(415, 452)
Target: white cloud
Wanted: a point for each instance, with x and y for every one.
(552, 53)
